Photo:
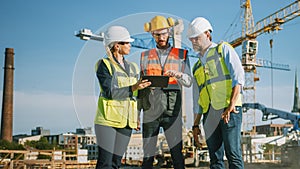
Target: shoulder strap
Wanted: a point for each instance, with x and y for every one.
(220, 47)
(182, 53)
(134, 66)
(107, 63)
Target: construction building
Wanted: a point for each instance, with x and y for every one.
(273, 129)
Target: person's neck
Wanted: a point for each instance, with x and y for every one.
(163, 47)
(202, 52)
(119, 57)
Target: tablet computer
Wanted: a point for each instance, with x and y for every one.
(157, 81)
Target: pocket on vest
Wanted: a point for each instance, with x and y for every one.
(114, 110)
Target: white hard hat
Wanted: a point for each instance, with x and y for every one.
(116, 34)
(197, 26)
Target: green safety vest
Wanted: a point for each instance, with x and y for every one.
(214, 81)
(118, 113)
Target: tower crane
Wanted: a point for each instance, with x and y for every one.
(249, 44)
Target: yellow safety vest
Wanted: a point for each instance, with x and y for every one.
(118, 113)
(214, 81)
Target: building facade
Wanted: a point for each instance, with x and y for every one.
(273, 129)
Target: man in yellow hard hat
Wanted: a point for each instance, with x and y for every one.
(163, 105)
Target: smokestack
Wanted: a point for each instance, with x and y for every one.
(296, 106)
(7, 100)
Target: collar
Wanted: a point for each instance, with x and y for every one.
(211, 46)
(163, 51)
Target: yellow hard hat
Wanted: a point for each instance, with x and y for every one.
(158, 22)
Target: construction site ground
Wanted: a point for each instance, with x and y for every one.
(247, 166)
(205, 165)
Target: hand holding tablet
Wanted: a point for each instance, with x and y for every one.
(157, 81)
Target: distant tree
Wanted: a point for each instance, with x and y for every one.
(6, 145)
(41, 144)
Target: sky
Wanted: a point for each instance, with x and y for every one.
(54, 82)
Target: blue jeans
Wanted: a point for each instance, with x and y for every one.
(221, 136)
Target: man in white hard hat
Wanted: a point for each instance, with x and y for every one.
(162, 106)
(217, 94)
(116, 115)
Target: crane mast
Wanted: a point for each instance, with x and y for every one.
(248, 23)
(249, 44)
(249, 49)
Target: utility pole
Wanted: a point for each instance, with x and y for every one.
(7, 100)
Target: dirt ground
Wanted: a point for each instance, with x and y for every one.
(247, 166)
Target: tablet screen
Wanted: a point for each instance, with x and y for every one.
(157, 81)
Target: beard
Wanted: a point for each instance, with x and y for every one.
(200, 47)
(162, 44)
(197, 48)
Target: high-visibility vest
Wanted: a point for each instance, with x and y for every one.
(214, 81)
(151, 65)
(118, 113)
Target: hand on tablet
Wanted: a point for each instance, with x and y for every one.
(141, 84)
(174, 73)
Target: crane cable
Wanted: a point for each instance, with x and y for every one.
(272, 90)
(271, 53)
(234, 22)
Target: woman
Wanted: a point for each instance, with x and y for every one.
(117, 108)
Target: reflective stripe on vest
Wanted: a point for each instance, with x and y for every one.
(118, 113)
(151, 65)
(123, 79)
(214, 81)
